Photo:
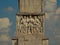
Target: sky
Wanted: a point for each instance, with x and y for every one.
(8, 11)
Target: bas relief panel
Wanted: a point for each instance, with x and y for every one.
(30, 24)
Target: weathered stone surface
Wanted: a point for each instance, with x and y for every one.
(30, 40)
(29, 25)
(29, 30)
(30, 6)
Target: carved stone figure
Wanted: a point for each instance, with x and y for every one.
(30, 24)
(31, 19)
(37, 24)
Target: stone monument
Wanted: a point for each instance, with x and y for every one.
(29, 23)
